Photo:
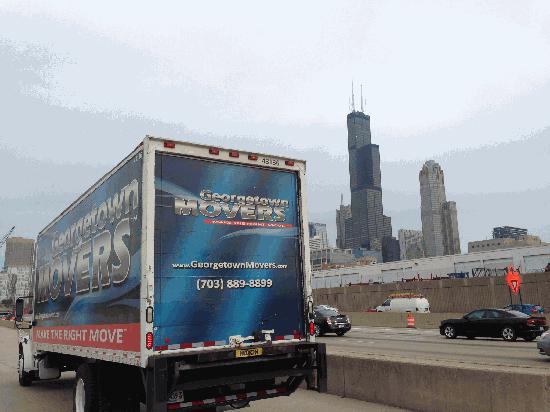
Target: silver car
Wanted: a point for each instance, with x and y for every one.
(543, 345)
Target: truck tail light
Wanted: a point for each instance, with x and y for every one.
(214, 151)
(233, 153)
(169, 144)
(149, 340)
(311, 328)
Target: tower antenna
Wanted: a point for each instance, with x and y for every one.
(352, 98)
(362, 99)
(341, 199)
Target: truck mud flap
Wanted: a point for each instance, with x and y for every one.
(156, 386)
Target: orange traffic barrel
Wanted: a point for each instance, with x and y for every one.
(411, 323)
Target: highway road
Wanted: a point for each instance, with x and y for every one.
(429, 345)
(56, 396)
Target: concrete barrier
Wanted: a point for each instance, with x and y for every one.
(445, 296)
(437, 387)
(399, 320)
(7, 324)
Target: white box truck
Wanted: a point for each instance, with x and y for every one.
(180, 280)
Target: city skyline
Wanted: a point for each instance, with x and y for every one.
(276, 105)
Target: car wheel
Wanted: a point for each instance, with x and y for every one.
(318, 330)
(529, 338)
(25, 378)
(449, 331)
(508, 334)
(85, 394)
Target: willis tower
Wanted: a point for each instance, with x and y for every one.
(371, 229)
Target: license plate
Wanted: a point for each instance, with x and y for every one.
(341, 326)
(248, 353)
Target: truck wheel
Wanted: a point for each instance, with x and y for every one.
(25, 378)
(85, 390)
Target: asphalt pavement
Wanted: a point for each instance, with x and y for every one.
(56, 396)
(427, 344)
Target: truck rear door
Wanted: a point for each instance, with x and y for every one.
(227, 252)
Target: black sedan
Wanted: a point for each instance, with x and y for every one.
(328, 319)
(495, 323)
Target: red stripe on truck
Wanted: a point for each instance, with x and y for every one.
(115, 336)
(246, 223)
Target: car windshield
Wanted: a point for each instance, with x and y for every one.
(328, 311)
(518, 314)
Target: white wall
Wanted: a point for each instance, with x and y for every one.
(528, 259)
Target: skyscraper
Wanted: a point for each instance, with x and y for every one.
(439, 217)
(365, 184)
(318, 233)
(411, 244)
(344, 226)
(451, 241)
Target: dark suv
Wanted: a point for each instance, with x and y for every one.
(327, 319)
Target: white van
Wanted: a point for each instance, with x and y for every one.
(398, 304)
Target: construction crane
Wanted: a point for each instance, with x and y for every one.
(6, 236)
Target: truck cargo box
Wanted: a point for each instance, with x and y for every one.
(179, 247)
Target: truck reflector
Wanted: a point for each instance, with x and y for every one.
(214, 151)
(252, 157)
(233, 153)
(169, 144)
(149, 340)
(289, 162)
(149, 314)
(311, 328)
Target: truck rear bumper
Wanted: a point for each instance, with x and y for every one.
(207, 379)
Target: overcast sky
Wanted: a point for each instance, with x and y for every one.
(438, 77)
(267, 70)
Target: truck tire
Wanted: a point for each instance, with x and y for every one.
(25, 378)
(85, 390)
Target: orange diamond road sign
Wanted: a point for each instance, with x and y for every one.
(513, 280)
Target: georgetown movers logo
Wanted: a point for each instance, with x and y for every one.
(91, 254)
(227, 206)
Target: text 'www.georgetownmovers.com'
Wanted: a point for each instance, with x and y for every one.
(228, 265)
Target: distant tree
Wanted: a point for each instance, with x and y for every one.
(12, 287)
